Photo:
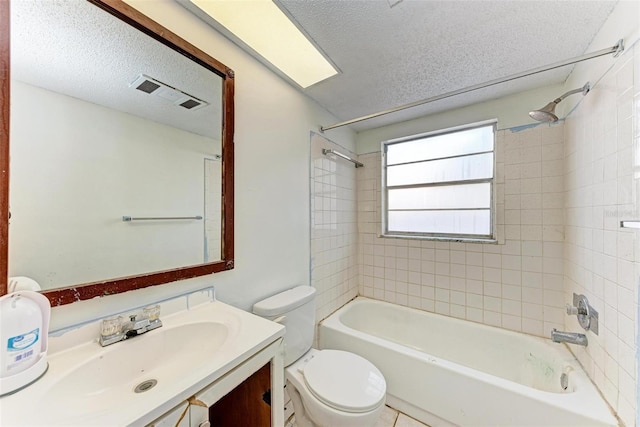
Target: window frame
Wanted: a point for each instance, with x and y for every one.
(455, 237)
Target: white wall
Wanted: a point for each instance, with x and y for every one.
(272, 124)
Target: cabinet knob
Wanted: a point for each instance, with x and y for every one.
(205, 424)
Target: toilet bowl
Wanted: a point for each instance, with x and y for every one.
(335, 388)
(327, 387)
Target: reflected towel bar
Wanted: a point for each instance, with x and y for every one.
(630, 224)
(326, 151)
(128, 218)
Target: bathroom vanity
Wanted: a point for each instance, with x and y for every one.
(169, 376)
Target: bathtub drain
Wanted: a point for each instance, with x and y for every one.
(564, 381)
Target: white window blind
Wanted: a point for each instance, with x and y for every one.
(440, 185)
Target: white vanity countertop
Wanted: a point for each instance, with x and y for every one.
(92, 385)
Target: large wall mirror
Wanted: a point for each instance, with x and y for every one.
(121, 151)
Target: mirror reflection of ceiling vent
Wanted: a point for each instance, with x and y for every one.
(152, 86)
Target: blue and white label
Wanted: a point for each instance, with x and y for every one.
(24, 341)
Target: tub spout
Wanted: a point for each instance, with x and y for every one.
(569, 337)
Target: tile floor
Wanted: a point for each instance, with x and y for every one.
(389, 418)
(392, 418)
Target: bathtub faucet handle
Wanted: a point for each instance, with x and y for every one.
(587, 315)
(572, 310)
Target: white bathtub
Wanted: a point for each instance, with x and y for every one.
(445, 371)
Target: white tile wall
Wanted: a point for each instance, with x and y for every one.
(334, 236)
(515, 284)
(602, 261)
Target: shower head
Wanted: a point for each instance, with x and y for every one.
(548, 112)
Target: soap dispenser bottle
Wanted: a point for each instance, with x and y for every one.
(24, 326)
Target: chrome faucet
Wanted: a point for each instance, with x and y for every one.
(114, 329)
(587, 315)
(569, 337)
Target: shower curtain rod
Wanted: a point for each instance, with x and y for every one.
(615, 50)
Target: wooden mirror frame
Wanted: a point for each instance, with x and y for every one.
(67, 295)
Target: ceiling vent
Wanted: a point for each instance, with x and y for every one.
(152, 86)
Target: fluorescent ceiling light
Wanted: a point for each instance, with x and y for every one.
(262, 26)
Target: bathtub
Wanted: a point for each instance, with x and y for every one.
(450, 372)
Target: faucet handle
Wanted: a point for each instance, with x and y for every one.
(111, 326)
(587, 315)
(581, 309)
(152, 312)
(571, 310)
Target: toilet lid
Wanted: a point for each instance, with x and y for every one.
(345, 381)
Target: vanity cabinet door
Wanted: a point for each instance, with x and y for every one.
(247, 404)
(170, 419)
(243, 397)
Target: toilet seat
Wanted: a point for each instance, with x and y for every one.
(344, 381)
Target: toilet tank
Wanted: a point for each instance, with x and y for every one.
(295, 309)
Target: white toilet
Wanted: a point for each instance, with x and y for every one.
(327, 387)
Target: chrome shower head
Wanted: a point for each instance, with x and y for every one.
(548, 112)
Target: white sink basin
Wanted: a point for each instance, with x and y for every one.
(87, 384)
(162, 355)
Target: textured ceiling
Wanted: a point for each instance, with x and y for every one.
(417, 49)
(388, 56)
(74, 48)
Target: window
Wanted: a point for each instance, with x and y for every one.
(440, 185)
